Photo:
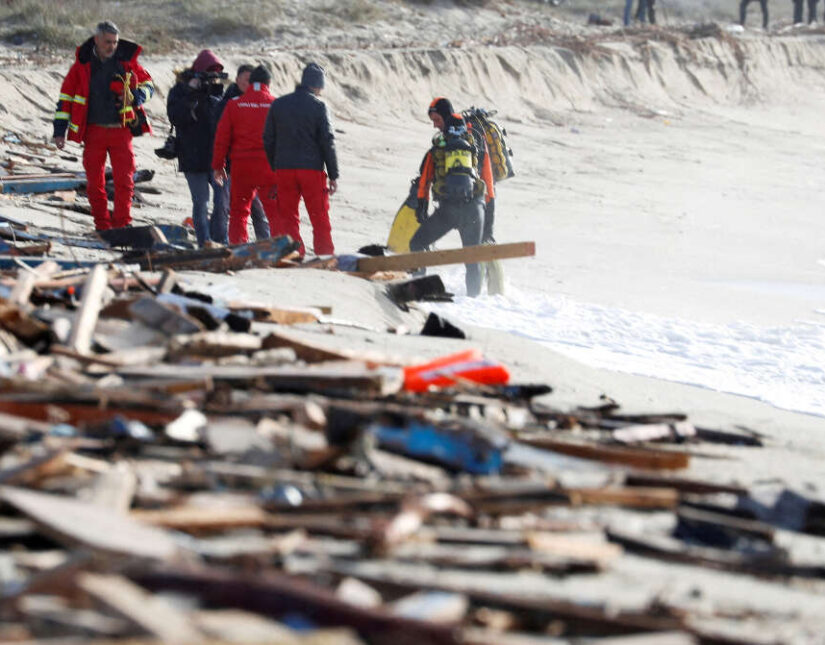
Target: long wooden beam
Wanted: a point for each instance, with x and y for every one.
(467, 255)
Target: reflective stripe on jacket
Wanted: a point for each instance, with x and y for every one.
(72, 104)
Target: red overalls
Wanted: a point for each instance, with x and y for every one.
(240, 135)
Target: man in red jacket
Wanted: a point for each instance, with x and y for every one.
(240, 137)
(101, 105)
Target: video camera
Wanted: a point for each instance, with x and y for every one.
(211, 77)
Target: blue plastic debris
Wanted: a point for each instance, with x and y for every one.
(283, 495)
(120, 426)
(468, 449)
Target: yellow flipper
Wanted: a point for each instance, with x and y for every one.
(403, 228)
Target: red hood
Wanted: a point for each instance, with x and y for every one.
(205, 60)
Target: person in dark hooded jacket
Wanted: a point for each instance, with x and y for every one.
(219, 224)
(191, 107)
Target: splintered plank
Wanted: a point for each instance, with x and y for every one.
(466, 255)
(277, 595)
(314, 378)
(197, 520)
(647, 458)
(154, 615)
(80, 337)
(72, 522)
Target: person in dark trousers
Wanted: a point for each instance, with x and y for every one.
(101, 106)
(812, 11)
(219, 224)
(646, 7)
(192, 107)
(459, 178)
(743, 11)
(300, 144)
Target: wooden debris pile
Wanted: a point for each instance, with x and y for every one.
(178, 469)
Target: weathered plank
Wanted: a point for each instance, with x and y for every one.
(80, 337)
(466, 255)
(637, 457)
(154, 615)
(71, 522)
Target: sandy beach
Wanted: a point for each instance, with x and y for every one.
(672, 184)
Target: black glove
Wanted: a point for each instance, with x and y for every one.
(421, 210)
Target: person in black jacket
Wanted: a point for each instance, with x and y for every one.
(191, 107)
(299, 144)
(219, 224)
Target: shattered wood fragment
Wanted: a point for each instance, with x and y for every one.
(304, 350)
(466, 255)
(214, 344)
(164, 318)
(265, 253)
(716, 529)
(93, 410)
(279, 315)
(136, 237)
(576, 618)
(276, 595)
(683, 485)
(156, 616)
(115, 489)
(168, 282)
(31, 472)
(637, 457)
(80, 337)
(768, 563)
(678, 431)
(28, 329)
(201, 520)
(331, 377)
(70, 521)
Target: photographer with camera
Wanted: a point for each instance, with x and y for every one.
(192, 109)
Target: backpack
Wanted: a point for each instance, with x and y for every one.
(459, 166)
(495, 137)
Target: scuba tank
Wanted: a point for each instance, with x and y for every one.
(495, 136)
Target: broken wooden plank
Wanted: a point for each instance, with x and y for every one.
(70, 521)
(19, 185)
(164, 318)
(83, 326)
(136, 237)
(663, 547)
(27, 328)
(154, 615)
(277, 595)
(466, 255)
(115, 489)
(647, 458)
(330, 377)
(279, 315)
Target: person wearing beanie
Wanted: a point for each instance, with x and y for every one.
(192, 108)
(457, 171)
(240, 138)
(300, 147)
